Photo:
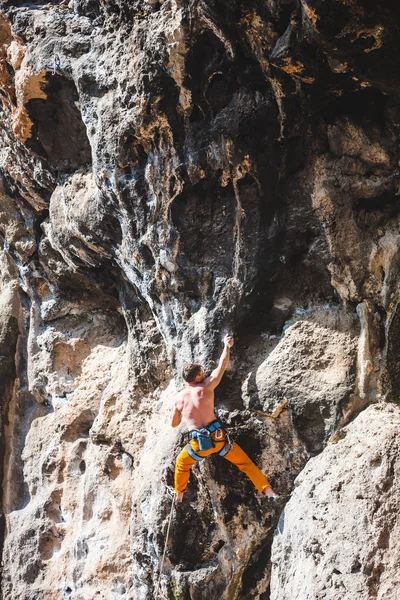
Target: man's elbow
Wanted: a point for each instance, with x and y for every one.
(175, 421)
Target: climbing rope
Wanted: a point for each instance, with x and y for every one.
(171, 493)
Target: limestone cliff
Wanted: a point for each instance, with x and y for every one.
(338, 537)
(170, 171)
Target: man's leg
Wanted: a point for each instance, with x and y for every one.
(239, 458)
(184, 463)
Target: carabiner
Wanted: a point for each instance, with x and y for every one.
(219, 434)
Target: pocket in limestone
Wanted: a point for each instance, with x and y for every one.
(58, 133)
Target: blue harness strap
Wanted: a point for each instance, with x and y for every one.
(212, 427)
(193, 454)
(227, 446)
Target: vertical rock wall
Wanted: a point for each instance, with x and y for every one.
(339, 534)
(170, 171)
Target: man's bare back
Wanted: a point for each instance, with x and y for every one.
(196, 402)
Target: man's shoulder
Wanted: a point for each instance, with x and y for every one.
(207, 383)
(189, 392)
(180, 397)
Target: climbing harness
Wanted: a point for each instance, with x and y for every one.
(171, 493)
(203, 435)
(206, 442)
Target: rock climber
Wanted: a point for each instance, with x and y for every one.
(195, 403)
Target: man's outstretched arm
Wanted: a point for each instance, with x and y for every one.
(213, 380)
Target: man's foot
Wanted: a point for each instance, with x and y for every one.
(269, 492)
(179, 497)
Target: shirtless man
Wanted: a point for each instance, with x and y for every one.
(196, 405)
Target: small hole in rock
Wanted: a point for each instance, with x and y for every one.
(217, 547)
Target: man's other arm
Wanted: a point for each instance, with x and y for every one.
(177, 416)
(214, 379)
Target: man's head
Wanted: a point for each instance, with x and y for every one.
(193, 373)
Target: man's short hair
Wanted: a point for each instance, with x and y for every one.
(190, 372)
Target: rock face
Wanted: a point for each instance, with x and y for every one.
(339, 534)
(311, 368)
(171, 171)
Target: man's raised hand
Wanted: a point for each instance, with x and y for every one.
(228, 340)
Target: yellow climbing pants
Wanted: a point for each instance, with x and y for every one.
(236, 455)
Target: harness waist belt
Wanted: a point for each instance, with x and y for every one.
(202, 430)
(223, 452)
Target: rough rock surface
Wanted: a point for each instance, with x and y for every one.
(311, 368)
(339, 536)
(170, 171)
